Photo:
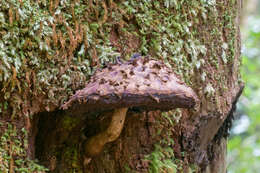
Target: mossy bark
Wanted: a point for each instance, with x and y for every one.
(49, 49)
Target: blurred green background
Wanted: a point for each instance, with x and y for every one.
(244, 142)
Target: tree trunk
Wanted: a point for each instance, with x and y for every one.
(49, 49)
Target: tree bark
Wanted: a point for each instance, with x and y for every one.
(51, 48)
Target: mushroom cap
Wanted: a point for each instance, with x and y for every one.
(143, 83)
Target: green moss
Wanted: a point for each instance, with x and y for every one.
(163, 160)
(69, 122)
(72, 157)
(13, 151)
(52, 50)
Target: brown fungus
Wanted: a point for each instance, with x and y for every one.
(161, 91)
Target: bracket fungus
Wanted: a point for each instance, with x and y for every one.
(143, 83)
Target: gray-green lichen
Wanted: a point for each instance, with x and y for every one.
(50, 48)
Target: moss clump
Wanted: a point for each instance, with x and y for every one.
(13, 151)
(69, 122)
(72, 159)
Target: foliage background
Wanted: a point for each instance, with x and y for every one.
(244, 143)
